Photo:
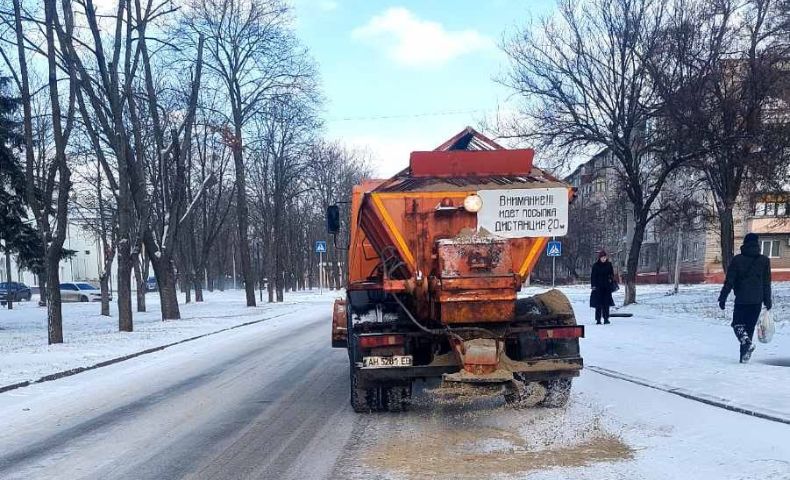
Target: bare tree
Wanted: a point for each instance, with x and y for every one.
(47, 188)
(286, 131)
(98, 215)
(723, 75)
(254, 56)
(119, 98)
(585, 83)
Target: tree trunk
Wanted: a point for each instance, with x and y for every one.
(125, 321)
(632, 265)
(187, 291)
(198, 289)
(104, 285)
(242, 219)
(54, 306)
(726, 236)
(142, 286)
(166, 280)
(42, 289)
(278, 277)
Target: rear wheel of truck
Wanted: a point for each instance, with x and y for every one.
(363, 400)
(558, 392)
(520, 394)
(397, 398)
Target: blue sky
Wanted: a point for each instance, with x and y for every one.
(379, 58)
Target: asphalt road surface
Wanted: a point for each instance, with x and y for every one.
(270, 401)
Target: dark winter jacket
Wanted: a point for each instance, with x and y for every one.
(749, 275)
(601, 280)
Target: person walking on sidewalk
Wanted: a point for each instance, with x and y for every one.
(749, 275)
(602, 280)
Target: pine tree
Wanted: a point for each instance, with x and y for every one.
(17, 235)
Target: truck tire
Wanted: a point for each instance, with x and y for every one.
(524, 395)
(398, 398)
(364, 400)
(558, 392)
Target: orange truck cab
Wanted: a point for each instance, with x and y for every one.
(437, 256)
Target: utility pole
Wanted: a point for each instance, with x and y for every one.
(553, 267)
(321, 272)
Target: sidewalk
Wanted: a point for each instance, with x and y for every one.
(685, 342)
(90, 339)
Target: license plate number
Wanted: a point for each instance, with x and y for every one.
(383, 362)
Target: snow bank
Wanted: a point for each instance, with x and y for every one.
(90, 338)
(685, 342)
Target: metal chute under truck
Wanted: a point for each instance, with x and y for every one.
(437, 256)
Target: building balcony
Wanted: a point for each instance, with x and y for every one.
(769, 225)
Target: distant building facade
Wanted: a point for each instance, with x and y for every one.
(601, 219)
(84, 266)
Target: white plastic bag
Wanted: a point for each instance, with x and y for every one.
(765, 327)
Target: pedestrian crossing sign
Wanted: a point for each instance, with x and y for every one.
(320, 246)
(554, 249)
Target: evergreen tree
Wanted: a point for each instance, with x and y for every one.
(16, 233)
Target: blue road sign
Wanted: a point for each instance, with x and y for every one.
(554, 249)
(320, 246)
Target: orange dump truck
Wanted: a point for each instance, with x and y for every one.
(437, 256)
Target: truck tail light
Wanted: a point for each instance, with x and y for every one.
(560, 333)
(375, 341)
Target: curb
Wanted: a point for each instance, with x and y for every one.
(112, 361)
(712, 401)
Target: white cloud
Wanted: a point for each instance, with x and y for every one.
(328, 5)
(415, 42)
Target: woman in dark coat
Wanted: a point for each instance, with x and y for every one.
(602, 281)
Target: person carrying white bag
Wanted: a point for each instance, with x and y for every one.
(749, 275)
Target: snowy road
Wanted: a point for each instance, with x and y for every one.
(270, 401)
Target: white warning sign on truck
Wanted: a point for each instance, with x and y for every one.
(518, 213)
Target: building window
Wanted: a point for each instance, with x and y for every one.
(599, 185)
(771, 209)
(771, 248)
(696, 250)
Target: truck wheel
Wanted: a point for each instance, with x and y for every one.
(359, 396)
(398, 398)
(520, 395)
(558, 392)
(364, 400)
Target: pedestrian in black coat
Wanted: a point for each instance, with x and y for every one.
(749, 274)
(602, 283)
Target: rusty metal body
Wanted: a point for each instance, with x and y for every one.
(456, 286)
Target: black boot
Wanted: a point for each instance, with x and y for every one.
(606, 321)
(746, 352)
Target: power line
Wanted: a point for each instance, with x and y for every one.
(411, 115)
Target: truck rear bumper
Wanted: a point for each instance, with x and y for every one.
(530, 371)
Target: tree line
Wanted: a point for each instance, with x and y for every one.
(185, 136)
(679, 92)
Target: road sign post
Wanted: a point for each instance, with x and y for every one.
(320, 248)
(553, 250)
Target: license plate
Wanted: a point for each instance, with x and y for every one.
(384, 362)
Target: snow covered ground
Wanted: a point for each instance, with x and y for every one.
(90, 338)
(685, 342)
(270, 400)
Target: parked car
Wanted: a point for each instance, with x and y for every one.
(151, 285)
(80, 292)
(16, 291)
